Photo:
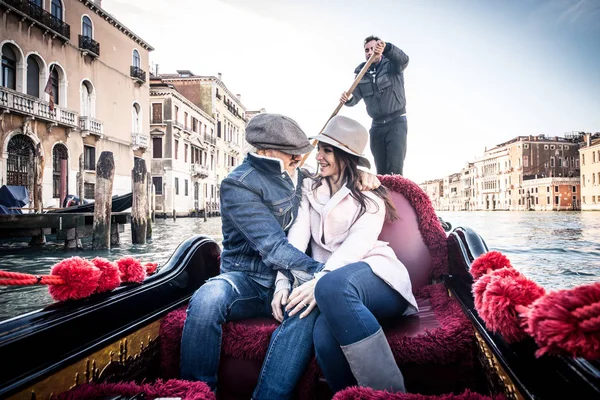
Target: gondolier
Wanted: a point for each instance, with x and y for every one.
(382, 89)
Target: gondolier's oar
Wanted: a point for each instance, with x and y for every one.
(340, 105)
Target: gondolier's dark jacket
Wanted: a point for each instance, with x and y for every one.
(259, 203)
(383, 93)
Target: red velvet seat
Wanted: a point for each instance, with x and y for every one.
(434, 348)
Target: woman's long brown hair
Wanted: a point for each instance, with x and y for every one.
(348, 166)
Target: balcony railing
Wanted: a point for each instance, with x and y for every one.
(89, 45)
(41, 16)
(233, 147)
(90, 126)
(178, 125)
(137, 73)
(140, 140)
(210, 139)
(33, 106)
(199, 170)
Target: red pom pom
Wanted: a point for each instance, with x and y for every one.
(80, 277)
(131, 270)
(150, 267)
(491, 260)
(500, 298)
(111, 276)
(481, 284)
(567, 322)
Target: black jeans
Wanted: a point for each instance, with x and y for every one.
(388, 145)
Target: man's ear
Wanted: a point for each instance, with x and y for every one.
(261, 152)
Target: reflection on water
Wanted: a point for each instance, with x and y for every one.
(556, 249)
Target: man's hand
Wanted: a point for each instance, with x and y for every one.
(368, 181)
(379, 47)
(345, 97)
(302, 298)
(278, 302)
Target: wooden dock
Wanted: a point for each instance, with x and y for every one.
(70, 227)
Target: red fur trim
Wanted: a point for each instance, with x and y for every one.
(567, 322)
(150, 267)
(491, 260)
(430, 227)
(171, 328)
(450, 342)
(481, 284)
(111, 276)
(186, 390)
(80, 277)
(501, 295)
(363, 393)
(131, 270)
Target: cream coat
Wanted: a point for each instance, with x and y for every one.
(336, 239)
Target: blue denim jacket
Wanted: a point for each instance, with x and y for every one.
(259, 203)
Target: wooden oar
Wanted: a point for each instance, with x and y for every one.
(362, 72)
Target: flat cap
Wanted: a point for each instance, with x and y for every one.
(277, 132)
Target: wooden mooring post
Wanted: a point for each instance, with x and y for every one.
(139, 215)
(105, 172)
(149, 206)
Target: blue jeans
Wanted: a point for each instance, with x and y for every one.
(351, 300)
(234, 296)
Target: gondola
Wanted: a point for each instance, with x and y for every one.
(119, 203)
(124, 344)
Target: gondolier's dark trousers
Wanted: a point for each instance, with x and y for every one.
(388, 145)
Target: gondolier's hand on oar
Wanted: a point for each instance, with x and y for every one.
(302, 299)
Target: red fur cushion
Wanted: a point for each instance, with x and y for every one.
(356, 393)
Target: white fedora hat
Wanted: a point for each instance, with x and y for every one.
(348, 135)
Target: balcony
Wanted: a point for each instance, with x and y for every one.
(40, 16)
(87, 45)
(32, 106)
(199, 171)
(234, 147)
(210, 139)
(137, 74)
(178, 125)
(91, 126)
(140, 141)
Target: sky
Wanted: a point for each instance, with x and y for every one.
(480, 72)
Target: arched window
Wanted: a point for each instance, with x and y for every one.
(9, 67)
(87, 90)
(56, 9)
(20, 160)
(59, 187)
(136, 118)
(55, 81)
(33, 77)
(86, 27)
(136, 59)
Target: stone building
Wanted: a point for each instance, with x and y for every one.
(590, 172)
(72, 85)
(183, 152)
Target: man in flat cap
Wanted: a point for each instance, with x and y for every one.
(259, 203)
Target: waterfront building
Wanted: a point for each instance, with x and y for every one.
(551, 194)
(435, 190)
(210, 94)
(468, 187)
(451, 199)
(72, 85)
(492, 180)
(590, 172)
(183, 152)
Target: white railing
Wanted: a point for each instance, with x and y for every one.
(90, 126)
(30, 105)
(199, 169)
(140, 140)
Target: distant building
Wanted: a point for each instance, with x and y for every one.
(590, 172)
(183, 152)
(92, 67)
(435, 191)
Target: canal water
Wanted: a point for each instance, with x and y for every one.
(556, 249)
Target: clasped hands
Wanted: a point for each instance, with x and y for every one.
(301, 300)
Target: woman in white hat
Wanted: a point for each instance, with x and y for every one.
(362, 280)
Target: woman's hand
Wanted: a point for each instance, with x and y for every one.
(302, 298)
(278, 302)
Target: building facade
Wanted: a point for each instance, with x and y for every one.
(72, 86)
(211, 95)
(590, 172)
(183, 152)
